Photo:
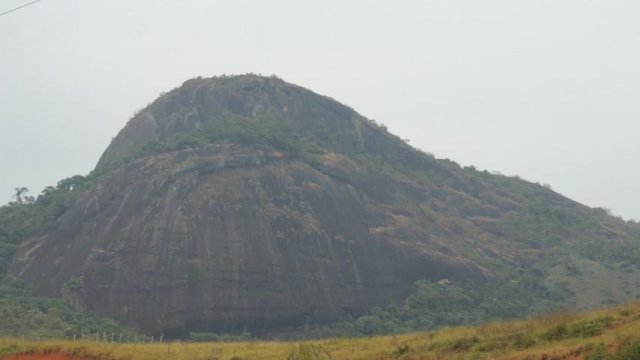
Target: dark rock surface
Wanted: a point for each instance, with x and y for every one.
(229, 238)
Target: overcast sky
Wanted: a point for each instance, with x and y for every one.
(548, 90)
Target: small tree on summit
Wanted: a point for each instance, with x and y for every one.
(20, 191)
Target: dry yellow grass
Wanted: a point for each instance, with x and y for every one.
(560, 336)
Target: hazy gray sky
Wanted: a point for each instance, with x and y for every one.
(546, 89)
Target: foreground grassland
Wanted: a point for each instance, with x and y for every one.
(606, 334)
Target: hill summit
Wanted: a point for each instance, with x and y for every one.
(246, 203)
(250, 109)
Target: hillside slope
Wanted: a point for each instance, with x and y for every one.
(249, 204)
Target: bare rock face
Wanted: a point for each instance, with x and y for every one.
(233, 233)
(231, 238)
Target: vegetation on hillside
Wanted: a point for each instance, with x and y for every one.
(432, 305)
(28, 216)
(22, 312)
(236, 130)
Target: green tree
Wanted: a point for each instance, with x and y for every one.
(20, 191)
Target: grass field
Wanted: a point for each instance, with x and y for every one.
(606, 334)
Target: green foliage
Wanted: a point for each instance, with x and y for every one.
(542, 224)
(625, 252)
(557, 332)
(23, 313)
(431, 305)
(73, 292)
(237, 130)
(595, 352)
(463, 344)
(629, 350)
(524, 341)
(589, 328)
(20, 220)
(207, 336)
(369, 325)
(581, 329)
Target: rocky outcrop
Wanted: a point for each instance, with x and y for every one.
(232, 236)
